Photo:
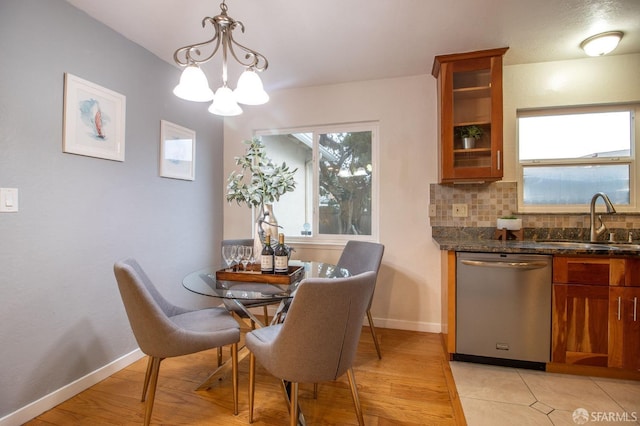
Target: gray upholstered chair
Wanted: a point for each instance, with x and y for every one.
(247, 303)
(318, 339)
(358, 257)
(164, 330)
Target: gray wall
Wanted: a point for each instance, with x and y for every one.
(61, 316)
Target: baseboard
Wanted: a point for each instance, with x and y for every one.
(49, 401)
(427, 327)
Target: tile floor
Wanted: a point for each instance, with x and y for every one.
(495, 396)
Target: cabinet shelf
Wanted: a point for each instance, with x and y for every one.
(483, 123)
(472, 151)
(472, 92)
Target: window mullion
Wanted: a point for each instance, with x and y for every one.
(316, 184)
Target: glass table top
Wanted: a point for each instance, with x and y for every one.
(204, 282)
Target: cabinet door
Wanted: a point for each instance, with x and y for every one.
(580, 324)
(470, 90)
(624, 327)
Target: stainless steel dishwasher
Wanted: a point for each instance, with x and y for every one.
(503, 309)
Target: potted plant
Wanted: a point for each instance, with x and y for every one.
(469, 135)
(260, 183)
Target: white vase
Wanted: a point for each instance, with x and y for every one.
(510, 224)
(266, 224)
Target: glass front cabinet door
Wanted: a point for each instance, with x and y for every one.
(470, 115)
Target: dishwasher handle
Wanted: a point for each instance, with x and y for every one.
(511, 265)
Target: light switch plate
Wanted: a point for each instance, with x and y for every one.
(8, 200)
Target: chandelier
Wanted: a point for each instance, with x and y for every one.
(193, 84)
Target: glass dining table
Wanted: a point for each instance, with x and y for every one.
(258, 288)
(261, 289)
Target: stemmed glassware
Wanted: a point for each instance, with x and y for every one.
(239, 255)
(247, 256)
(229, 254)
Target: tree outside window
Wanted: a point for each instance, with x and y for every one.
(335, 197)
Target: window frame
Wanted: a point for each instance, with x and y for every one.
(316, 130)
(633, 108)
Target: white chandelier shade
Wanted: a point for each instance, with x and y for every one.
(193, 85)
(224, 103)
(250, 90)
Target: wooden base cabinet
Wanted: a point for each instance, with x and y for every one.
(624, 327)
(580, 318)
(596, 311)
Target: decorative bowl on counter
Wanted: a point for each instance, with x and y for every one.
(509, 223)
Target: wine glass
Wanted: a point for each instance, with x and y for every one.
(228, 254)
(247, 257)
(239, 255)
(252, 257)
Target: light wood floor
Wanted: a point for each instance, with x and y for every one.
(411, 385)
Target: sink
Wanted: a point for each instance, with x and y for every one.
(626, 246)
(581, 245)
(587, 245)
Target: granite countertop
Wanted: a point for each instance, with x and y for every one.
(536, 247)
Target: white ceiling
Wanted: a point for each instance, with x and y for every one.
(317, 42)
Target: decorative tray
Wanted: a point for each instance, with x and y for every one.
(296, 273)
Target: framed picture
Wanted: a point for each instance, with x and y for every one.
(177, 151)
(94, 120)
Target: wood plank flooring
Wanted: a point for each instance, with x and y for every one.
(411, 385)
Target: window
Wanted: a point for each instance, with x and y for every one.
(336, 193)
(566, 155)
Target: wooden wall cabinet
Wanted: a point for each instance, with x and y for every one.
(596, 311)
(470, 93)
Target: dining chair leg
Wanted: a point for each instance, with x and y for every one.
(354, 395)
(252, 384)
(293, 421)
(155, 370)
(266, 315)
(234, 376)
(147, 375)
(219, 356)
(373, 333)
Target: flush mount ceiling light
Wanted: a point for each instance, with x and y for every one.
(193, 84)
(601, 44)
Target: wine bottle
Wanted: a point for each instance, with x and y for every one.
(266, 257)
(281, 257)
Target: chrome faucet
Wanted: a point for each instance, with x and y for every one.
(592, 212)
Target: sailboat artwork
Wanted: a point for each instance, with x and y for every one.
(98, 122)
(94, 120)
(93, 117)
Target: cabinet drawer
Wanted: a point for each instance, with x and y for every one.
(581, 270)
(594, 270)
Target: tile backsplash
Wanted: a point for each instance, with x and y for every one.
(488, 202)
